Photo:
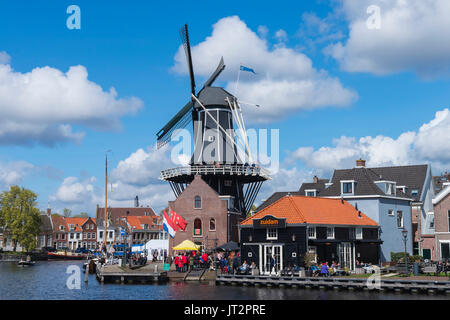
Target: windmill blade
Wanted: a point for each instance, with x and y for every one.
(216, 73)
(179, 121)
(184, 34)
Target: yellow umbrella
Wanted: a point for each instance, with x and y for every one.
(186, 245)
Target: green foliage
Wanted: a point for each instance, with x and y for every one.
(400, 257)
(67, 212)
(19, 216)
(309, 259)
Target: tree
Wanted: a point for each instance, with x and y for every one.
(67, 212)
(20, 217)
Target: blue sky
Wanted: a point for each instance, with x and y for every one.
(132, 47)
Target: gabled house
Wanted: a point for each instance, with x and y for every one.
(441, 223)
(313, 189)
(384, 195)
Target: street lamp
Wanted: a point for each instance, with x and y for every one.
(405, 237)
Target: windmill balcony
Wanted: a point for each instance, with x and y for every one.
(257, 173)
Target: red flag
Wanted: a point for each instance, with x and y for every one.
(178, 220)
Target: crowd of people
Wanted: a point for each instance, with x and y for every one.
(191, 260)
(323, 269)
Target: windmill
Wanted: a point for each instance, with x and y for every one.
(218, 153)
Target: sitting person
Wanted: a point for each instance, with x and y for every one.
(244, 268)
(314, 270)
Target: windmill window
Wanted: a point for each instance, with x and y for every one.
(197, 202)
(197, 227)
(212, 224)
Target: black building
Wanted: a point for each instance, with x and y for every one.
(330, 229)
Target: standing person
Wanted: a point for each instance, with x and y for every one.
(191, 262)
(205, 259)
(230, 263)
(176, 263)
(236, 263)
(324, 270)
(180, 262)
(184, 258)
(273, 263)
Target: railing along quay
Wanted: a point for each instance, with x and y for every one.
(413, 286)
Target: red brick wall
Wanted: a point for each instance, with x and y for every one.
(441, 223)
(211, 207)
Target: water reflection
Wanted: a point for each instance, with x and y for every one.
(47, 280)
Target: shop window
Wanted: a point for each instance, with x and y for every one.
(330, 233)
(272, 234)
(359, 233)
(212, 224)
(312, 232)
(197, 227)
(197, 202)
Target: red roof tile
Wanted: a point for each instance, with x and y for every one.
(313, 210)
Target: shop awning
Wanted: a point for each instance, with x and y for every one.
(186, 245)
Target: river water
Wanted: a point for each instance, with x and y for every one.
(48, 280)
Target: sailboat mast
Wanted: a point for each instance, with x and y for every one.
(106, 193)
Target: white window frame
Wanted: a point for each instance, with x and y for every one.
(328, 236)
(270, 234)
(315, 233)
(391, 213)
(353, 187)
(358, 233)
(402, 220)
(311, 190)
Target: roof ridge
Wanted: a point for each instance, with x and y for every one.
(297, 209)
(263, 209)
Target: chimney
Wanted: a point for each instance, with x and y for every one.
(360, 163)
(315, 179)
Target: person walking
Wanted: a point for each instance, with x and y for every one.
(236, 263)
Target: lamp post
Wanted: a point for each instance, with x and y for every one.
(405, 237)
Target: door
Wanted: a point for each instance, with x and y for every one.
(273, 251)
(445, 250)
(346, 255)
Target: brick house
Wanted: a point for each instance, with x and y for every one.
(60, 238)
(441, 223)
(45, 238)
(144, 228)
(89, 234)
(210, 222)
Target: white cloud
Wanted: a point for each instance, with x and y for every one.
(12, 173)
(414, 36)
(137, 175)
(41, 106)
(75, 191)
(429, 144)
(285, 82)
(281, 35)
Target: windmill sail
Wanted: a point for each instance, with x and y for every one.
(179, 121)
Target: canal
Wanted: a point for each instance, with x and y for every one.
(48, 280)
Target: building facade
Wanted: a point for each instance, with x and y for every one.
(442, 224)
(382, 196)
(332, 230)
(210, 222)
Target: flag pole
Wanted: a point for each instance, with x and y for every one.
(237, 82)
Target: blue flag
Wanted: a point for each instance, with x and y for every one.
(247, 69)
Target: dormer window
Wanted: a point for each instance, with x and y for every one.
(348, 187)
(388, 187)
(311, 193)
(402, 189)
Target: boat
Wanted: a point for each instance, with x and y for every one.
(64, 255)
(22, 263)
